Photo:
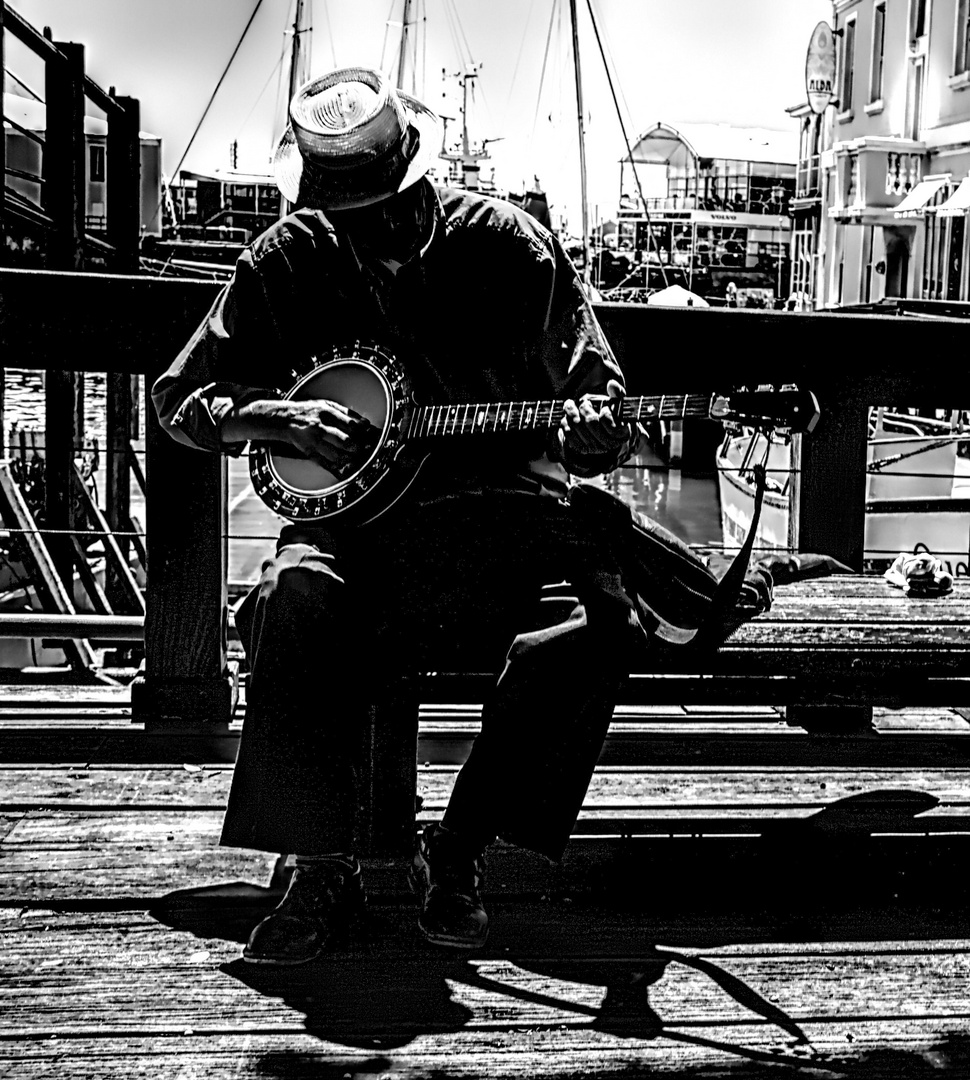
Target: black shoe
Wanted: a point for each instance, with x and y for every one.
(322, 899)
(447, 879)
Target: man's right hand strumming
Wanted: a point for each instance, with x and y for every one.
(322, 430)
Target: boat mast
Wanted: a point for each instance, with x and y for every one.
(299, 73)
(582, 143)
(299, 51)
(468, 158)
(402, 55)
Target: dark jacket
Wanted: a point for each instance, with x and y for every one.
(491, 310)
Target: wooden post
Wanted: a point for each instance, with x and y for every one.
(830, 480)
(123, 163)
(827, 517)
(64, 165)
(118, 476)
(60, 440)
(389, 778)
(187, 679)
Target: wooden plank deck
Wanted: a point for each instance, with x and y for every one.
(767, 949)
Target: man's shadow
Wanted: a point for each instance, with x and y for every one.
(379, 987)
(384, 986)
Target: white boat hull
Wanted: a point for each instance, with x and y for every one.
(904, 511)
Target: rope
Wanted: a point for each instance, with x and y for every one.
(212, 97)
(542, 73)
(626, 140)
(937, 444)
(461, 32)
(518, 59)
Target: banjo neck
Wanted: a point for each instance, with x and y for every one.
(375, 384)
(437, 421)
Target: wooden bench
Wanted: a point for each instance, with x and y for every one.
(815, 681)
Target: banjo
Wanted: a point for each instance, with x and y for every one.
(371, 381)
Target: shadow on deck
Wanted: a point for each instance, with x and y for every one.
(805, 947)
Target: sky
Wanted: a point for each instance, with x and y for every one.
(740, 62)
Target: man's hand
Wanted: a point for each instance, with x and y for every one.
(322, 430)
(590, 428)
(330, 433)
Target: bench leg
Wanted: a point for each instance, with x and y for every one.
(388, 784)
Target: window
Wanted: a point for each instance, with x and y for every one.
(846, 67)
(961, 51)
(954, 281)
(96, 163)
(934, 258)
(914, 99)
(803, 265)
(865, 291)
(878, 50)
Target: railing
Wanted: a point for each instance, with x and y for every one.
(740, 205)
(57, 322)
(63, 174)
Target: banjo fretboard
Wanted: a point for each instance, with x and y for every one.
(444, 420)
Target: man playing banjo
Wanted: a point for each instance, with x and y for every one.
(468, 300)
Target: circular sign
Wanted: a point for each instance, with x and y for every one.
(820, 68)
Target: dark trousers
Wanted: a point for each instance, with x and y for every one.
(339, 614)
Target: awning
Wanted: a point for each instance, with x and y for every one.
(958, 202)
(915, 202)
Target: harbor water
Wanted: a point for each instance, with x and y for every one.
(686, 503)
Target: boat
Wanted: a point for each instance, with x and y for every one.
(917, 488)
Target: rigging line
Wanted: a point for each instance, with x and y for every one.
(461, 29)
(609, 52)
(449, 19)
(629, 149)
(212, 97)
(276, 68)
(329, 26)
(518, 59)
(387, 30)
(542, 73)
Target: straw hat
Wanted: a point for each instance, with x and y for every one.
(353, 139)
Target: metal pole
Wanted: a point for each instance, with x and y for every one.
(402, 54)
(298, 55)
(582, 141)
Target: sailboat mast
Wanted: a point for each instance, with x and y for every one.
(402, 55)
(582, 142)
(299, 51)
(299, 73)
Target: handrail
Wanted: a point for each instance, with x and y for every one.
(102, 98)
(31, 37)
(26, 132)
(77, 627)
(55, 320)
(20, 174)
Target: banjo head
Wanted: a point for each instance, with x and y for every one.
(364, 378)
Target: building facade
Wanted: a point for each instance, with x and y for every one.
(883, 212)
(722, 228)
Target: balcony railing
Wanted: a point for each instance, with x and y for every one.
(739, 205)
